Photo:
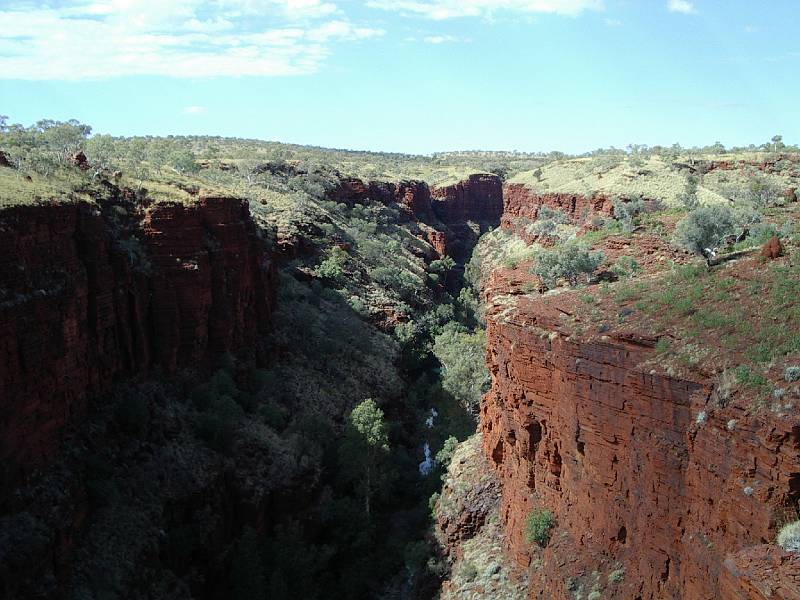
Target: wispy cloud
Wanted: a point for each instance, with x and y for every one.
(195, 110)
(449, 9)
(681, 6)
(82, 39)
(442, 39)
(612, 22)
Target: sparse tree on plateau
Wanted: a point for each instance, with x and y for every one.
(777, 142)
(100, 151)
(365, 448)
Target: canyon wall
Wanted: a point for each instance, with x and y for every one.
(653, 496)
(450, 218)
(94, 293)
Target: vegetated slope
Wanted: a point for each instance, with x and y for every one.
(647, 417)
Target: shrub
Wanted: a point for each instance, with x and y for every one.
(789, 537)
(332, 267)
(445, 455)
(792, 374)
(689, 196)
(538, 526)
(625, 267)
(566, 262)
(705, 228)
(627, 212)
(443, 265)
(547, 221)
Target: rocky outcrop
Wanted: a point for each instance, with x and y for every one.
(647, 489)
(760, 573)
(522, 206)
(92, 294)
(479, 199)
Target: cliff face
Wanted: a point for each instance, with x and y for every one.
(443, 214)
(479, 199)
(93, 294)
(522, 206)
(659, 499)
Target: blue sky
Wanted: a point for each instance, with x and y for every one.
(411, 75)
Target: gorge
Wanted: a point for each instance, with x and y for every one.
(661, 483)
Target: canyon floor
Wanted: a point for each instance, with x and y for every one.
(240, 369)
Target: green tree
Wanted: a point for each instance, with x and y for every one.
(703, 230)
(183, 162)
(364, 449)
(101, 152)
(463, 360)
(332, 267)
(568, 261)
(689, 196)
(777, 143)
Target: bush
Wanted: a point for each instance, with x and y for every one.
(442, 265)
(538, 526)
(627, 212)
(332, 268)
(792, 374)
(625, 267)
(445, 455)
(566, 262)
(705, 228)
(547, 222)
(689, 196)
(789, 537)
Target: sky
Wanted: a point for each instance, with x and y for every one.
(414, 76)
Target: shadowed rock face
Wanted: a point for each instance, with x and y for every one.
(90, 296)
(636, 479)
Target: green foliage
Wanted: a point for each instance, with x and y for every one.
(705, 228)
(462, 356)
(445, 455)
(547, 222)
(364, 449)
(332, 267)
(405, 284)
(689, 196)
(183, 161)
(442, 265)
(568, 261)
(628, 212)
(625, 267)
(616, 576)
(538, 526)
(791, 374)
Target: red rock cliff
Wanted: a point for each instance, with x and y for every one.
(479, 198)
(89, 296)
(652, 499)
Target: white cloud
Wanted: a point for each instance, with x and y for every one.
(440, 39)
(87, 39)
(612, 22)
(195, 110)
(448, 9)
(681, 6)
